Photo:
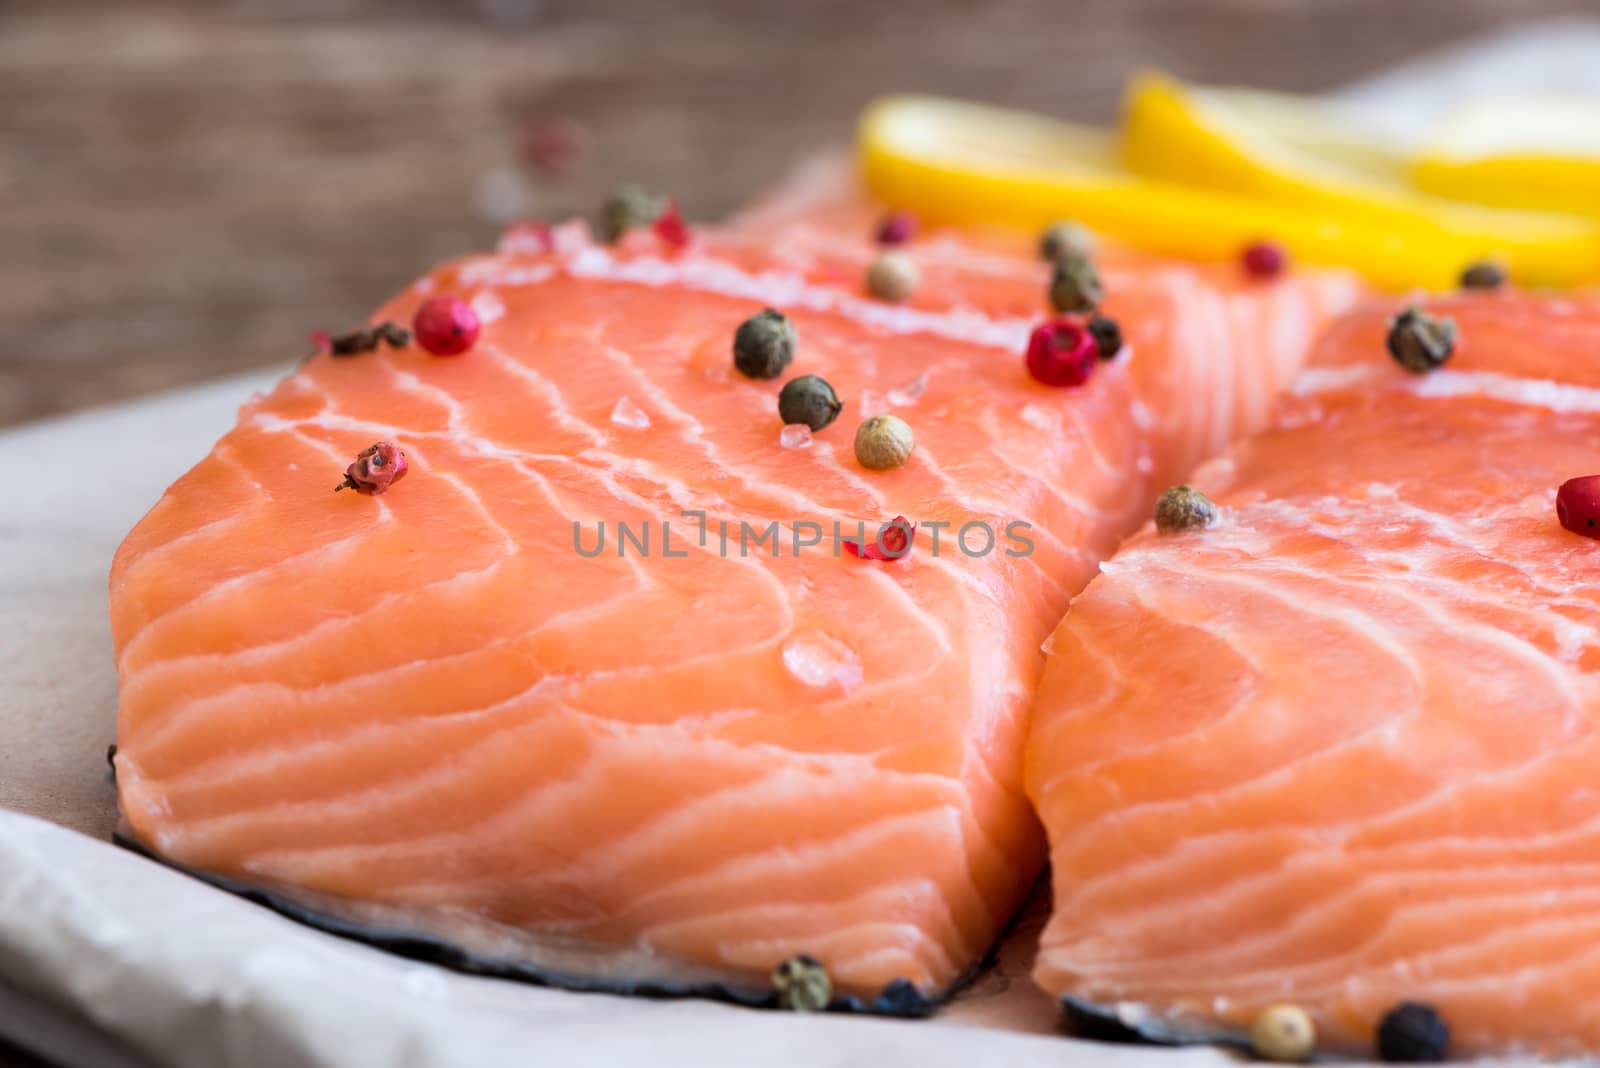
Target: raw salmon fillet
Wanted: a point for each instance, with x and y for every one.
(1340, 749)
(425, 714)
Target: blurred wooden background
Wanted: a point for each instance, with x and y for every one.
(189, 188)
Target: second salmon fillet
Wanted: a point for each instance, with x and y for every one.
(429, 714)
(1339, 749)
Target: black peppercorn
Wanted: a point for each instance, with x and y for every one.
(809, 400)
(1413, 1032)
(802, 984)
(1184, 508)
(1075, 285)
(764, 345)
(1485, 274)
(628, 207)
(1419, 342)
(359, 341)
(1107, 335)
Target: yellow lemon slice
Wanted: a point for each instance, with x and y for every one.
(1292, 151)
(1537, 152)
(969, 164)
(1305, 135)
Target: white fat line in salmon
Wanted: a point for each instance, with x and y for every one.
(1534, 392)
(975, 539)
(778, 289)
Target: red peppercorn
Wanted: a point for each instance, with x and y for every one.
(893, 541)
(1578, 505)
(897, 229)
(446, 326)
(1265, 259)
(1062, 352)
(670, 227)
(376, 468)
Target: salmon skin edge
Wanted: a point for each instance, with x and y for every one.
(1087, 1019)
(899, 998)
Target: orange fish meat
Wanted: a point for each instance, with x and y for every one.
(438, 716)
(1338, 749)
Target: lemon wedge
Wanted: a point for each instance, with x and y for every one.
(968, 164)
(1539, 152)
(1292, 151)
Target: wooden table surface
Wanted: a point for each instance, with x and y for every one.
(190, 188)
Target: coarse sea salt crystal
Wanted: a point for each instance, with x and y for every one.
(905, 396)
(819, 660)
(629, 414)
(795, 436)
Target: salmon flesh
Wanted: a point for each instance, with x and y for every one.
(1339, 749)
(443, 717)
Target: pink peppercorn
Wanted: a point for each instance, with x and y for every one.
(376, 468)
(1062, 352)
(893, 541)
(1578, 505)
(1264, 259)
(670, 227)
(446, 326)
(897, 229)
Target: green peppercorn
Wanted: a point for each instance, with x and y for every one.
(893, 276)
(1283, 1033)
(1063, 239)
(809, 400)
(1107, 334)
(802, 984)
(1075, 285)
(628, 207)
(764, 344)
(1419, 342)
(1413, 1032)
(884, 442)
(1184, 508)
(1485, 274)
